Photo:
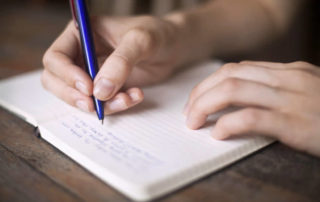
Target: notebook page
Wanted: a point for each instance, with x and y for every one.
(148, 150)
(24, 96)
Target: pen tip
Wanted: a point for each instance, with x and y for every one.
(102, 121)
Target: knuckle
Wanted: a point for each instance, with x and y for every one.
(145, 39)
(300, 63)
(231, 85)
(121, 60)
(228, 70)
(138, 33)
(230, 66)
(303, 65)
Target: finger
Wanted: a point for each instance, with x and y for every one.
(65, 92)
(136, 45)
(60, 60)
(123, 101)
(292, 80)
(292, 130)
(276, 65)
(234, 70)
(298, 76)
(252, 121)
(233, 92)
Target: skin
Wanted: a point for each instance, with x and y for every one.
(144, 50)
(278, 100)
(132, 52)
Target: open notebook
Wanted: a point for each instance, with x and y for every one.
(145, 152)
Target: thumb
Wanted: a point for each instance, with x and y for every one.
(134, 46)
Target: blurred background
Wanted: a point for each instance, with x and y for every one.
(28, 27)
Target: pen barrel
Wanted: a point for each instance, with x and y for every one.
(87, 43)
(86, 36)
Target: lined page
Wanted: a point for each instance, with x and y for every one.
(148, 150)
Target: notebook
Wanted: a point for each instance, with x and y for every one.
(145, 152)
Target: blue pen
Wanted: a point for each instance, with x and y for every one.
(81, 18)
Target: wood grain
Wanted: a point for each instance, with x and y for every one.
(20, 181)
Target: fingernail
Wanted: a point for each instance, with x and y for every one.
(82, 88)
(135, 97)
(82, 105)
(117, 105)
(103, 89)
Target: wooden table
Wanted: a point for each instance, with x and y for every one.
(33, 170)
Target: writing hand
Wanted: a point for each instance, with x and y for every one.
(132, 52)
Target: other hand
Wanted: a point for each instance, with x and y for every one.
(278, 100)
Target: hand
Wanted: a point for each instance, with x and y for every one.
(132, 52)
(277, 100)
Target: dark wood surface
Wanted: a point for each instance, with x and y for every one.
(33, 170)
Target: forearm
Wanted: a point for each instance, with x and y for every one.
(226, 27)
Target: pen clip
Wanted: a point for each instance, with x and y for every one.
(73, 11)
